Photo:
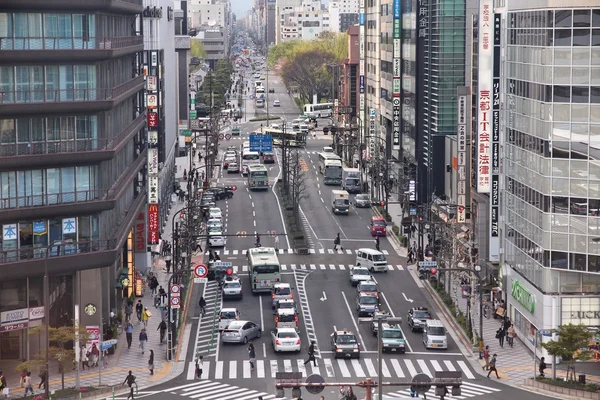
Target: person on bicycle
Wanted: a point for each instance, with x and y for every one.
(377, 243)
(257, 244)
(202, 304)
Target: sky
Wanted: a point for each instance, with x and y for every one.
(240, 7)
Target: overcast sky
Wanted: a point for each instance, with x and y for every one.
(240, 7)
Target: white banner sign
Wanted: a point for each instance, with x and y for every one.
(484, 95)
(69, 225)
(153, 161)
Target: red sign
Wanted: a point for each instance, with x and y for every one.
(152, 217)
(13, 327)
(153, 237)
(152, 120)
(140, 233)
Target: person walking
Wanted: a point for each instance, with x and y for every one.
(153, 284)
(542, 367)
(95, 355)
(85, 361)
(4, 386)
(151, 362)
(500, 336)
(202, 305)
(143, 339)
(162, 327)
(277, 243)
(257, 244)
(139, 307)
(105, 359)
(128, 311)
(411, 255)
(129, 333)
(130, 380)
(44, 375)
(251, 355)
(506, 324)
(146, 314)
(511, 334)
(337, 242)
(493, 367)
(377, 243)
(27, 384)
(311, 354)
(199, 364)
(486, 357)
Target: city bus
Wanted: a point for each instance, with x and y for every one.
(330, 166)
(294, 139)
(249, 158)
(320, 110)
(258, 178)
(263, 269)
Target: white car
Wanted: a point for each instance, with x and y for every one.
(359, 274)
(232, 288)
(214, 222)
(233, 167)
(226, 315)
(215, 237)
(215, 213)
(276, 103)
(285, 339)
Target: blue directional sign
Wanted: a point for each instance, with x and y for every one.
(223, 264)
(427, 264)
(261, 142)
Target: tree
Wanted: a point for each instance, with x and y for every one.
(62, 342)
(570, 345)
(197, 49)
(298, 181)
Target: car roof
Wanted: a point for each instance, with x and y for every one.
(345, 332)
(370, 251)
(385, 325)
(287, 330)
(215, 209)
(229, 309)
(435, 323)
(366, 294)
(286, 301)
(285, 311)
(360, 267)
(281, 285)
(369, 282)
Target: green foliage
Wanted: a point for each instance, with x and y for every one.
(197, 49)
(569, 344)
(218, 82)
(460, 318)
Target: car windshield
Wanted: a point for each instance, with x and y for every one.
(436, 331)
(286, 317)
(287, 335)
(378, 257)
(368, 287)
(362, 197)
(422, 314)
(360, 271)
(379, 223)
(233, 285)
(286, 304)
(368, 300)
(283, 291)
(214, 229)
(228, 314)
(392, 334)
(346, 339)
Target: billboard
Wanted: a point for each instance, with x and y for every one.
(484, 95)
(494, 246)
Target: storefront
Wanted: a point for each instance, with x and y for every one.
(15, 341)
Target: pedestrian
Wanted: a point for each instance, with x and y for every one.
(257, 244)
(276, 243)
(146, 314)
(168, 264)
(22, 379)
(311, 353)
(506, 324)
(139, 307)
(27, 384)
(128, 311)
(202, 305)
(95, 355)
(500, 336)
(163, 329)
(130, 380)
(105, 359)
(251, 355)
(43, 375)
(85, 361)
(151, 362)
(511, 334)
(542, 367)
(153, 284)
(337, 242)
(377, 243)
(411, 255)
(493, 367)
(4, 386)
(143, 339)
(199, 364)
(129, 333)
(486, 357)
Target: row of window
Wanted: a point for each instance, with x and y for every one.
(554, 37)
(574, 149)
(554, 18)
(554, 93)
(28, 130)
(48, 186)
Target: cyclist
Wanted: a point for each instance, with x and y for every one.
(202, 304)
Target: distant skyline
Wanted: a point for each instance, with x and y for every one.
(241, 7)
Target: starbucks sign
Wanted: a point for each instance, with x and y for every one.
(523, 296)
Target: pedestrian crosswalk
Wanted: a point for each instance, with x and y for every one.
(206, 334)
(227, 252)
(210, 390)
(332, 368)
(468, 390)
(237, 269)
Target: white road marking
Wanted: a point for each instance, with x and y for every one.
(260, 368)
(370, 367)
(397, 368)
(411, 368)
(233, 369)
(246, 368)
(273, 368)
(384, 369)
(424, 368)
(358, 369)
(343, 368)
(436, 365)
(449, 365)
(287, 365)
(301, 367)
(329, 367)
(219, 370)
(465, 369)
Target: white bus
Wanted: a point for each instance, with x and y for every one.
(263, 269)
(258, 177)
(320, 110)
(330, 166)
(249, 158)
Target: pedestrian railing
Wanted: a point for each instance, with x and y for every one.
(212, 346)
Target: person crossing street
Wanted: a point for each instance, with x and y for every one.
(493, 367)
(337, 242)
(311, 354)
(377, 243)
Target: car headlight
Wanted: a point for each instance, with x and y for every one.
(338, 350)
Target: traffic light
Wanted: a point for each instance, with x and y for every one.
(433, 275)
(229, 271)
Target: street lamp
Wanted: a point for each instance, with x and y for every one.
(478, 272)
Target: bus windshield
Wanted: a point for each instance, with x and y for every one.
(333, 171)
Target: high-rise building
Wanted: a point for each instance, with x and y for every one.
(213, 22)
(72, 161)
(300, 19)
(550, 132)
(342, 15)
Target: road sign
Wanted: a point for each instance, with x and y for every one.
(228, 136)
(424, 388)
(195, 124)
(186, 132)
(261, 142)
(175, 290)
(223, 264)
(427, 264)
(193, 114)
(201, 271)
(221, 136)
(315, 378)
(200, 280)
(175, 302)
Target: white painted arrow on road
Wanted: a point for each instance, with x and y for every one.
(406, 298)
(325, 297)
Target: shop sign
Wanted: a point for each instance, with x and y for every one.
(523, 296)
(93, 332)
(153, 161)
(9, 232)
(14, 316)
(69, 225)
(152, 120)
(153, 217)
(152, 101)
(484, 81)
(580, 310)
(140, 233)
(39, 227)
(152, 138)
(152, 189)
(90, 309)
(36, 313)
(13, 327)
(151, 83)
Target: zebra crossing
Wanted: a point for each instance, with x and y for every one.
(210, 390)
(314, 267)
(332, 368)
(227, 252)
(468, 390)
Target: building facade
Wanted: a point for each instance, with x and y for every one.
(300, 19)
(551, 134)
(73, 161)
(213, 21)
(342, 15)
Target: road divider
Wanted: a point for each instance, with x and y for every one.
(364, 346)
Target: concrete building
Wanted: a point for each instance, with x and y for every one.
(342, 14)
(349, 72)
(73, 162)
(550, 132)
(213, 21)
(300, 19)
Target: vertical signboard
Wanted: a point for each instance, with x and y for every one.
(494, 246)
(361, 63)
(152, 103)
(397, 72)
(461, 213)
(372, 149)
(484, 82)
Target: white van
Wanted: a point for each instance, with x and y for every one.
(371, 259)
(327, 149)
(260, 89)
(434, 335)
(304, 128)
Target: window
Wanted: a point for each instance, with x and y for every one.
(581, 94)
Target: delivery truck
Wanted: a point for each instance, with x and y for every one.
(340, 202)
(351, 180)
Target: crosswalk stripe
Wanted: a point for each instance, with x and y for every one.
(235, 269)
(293, 266)
(397, 368)
(321, 251)
(331, 266)
(424, 368)
(235, 252)
(313, 266)
(449, 365)
(387, 253)
(315, 369)
(384, 369)
(342, 267)
(348, 251)
(358, 369)
(311, 251)
(246, 368)
(219, 370)
(436, 365)
(328, 368)
(206, 368)
(244, 268)
(343, 368)
(370, 367)
(465, 369)
(400, 267)
(411, 368)
(301, 368)
(233, 369)
(287, 365)
(302, 266)
(330, 251)
(260, 368)
(244, 252)
(322, 266)
(390, 267)
(340, 251)
(290, 251)
(283, 267)
(280, 251)
(273, 368)
(474, 385)
(197, 389)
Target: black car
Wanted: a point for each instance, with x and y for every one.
(220, 193)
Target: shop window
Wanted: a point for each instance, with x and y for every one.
(36, 291)
(13, 294)
(55, 230)
(25, 234)
(559, 259)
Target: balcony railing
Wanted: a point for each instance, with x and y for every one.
(66, 248)
(51, 199)
(60, 95)
(72, 43)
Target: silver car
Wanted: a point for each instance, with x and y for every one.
(359, 274)
(241, 332)
(232, 288)
(362, 201)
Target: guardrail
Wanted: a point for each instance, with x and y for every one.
(214, 332)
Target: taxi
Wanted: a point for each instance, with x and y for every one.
(378, 226)
(344, 344)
